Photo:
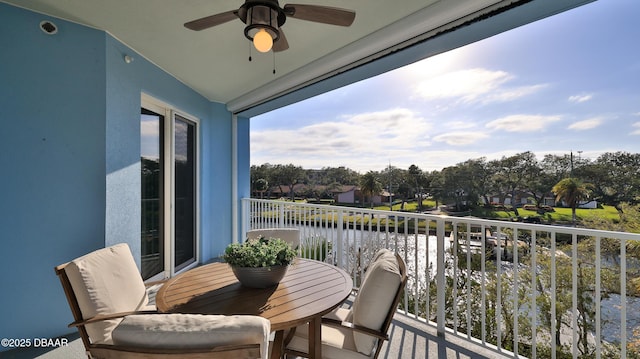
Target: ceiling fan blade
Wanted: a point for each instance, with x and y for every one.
(212, 20)
(281, 44)
(322, 14)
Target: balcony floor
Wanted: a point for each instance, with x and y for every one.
(409, 339)
(412, 339)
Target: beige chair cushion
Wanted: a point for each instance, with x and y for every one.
(379, 254)
(337, 343)
(341, 314)
(374, 300)
(289, 235)
(175, 331)
(106, 281)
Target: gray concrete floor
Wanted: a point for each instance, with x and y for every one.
(409, 339)
(412, 339)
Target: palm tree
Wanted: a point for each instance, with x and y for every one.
(370, 185)
(571, 191)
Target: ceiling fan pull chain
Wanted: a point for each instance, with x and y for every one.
(250, 52)
(274, 62)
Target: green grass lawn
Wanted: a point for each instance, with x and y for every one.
(408, 206)
(559, 215)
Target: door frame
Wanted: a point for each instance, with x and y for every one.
(169, 112)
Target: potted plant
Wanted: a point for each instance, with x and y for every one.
(261, 262)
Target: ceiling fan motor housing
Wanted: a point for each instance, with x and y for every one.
(259, 15)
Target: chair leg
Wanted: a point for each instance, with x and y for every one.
(289, 336)
(278, 345)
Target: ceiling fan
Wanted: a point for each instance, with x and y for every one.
(264, 19)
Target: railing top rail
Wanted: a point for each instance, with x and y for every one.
(464, 220)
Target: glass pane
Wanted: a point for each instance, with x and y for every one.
(185, 204)
(151, 198)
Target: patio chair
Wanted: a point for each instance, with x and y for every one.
(289, 235)
(360, 331)
(110, 307)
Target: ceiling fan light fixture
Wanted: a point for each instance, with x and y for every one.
(264, 18)
(262, 41)
(262, 27)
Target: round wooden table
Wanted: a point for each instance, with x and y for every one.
(309, 290)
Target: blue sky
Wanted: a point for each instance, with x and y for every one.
(566, 83)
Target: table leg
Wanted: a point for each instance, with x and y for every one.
(315, 338)
(278, 345)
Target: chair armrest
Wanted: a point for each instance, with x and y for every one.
(101, 317)
(358, 328)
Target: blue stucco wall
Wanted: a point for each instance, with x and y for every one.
(70, 160)
(52, 164)
(216, 164)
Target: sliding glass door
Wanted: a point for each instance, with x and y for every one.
(185, 191)
(152, 180)
(169, 190)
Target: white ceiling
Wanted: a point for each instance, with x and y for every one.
(214, 62)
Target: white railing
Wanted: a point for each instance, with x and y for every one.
(553, 291)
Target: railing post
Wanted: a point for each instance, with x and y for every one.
(339, 240)
(441, 283)
(244, 220)
(281, 215)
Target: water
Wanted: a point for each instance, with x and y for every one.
(420, 248)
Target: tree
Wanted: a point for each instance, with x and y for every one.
(481, 178)
(415, 177)
(391, 179)
(552, 169)
(557, 167)
(370, 185)
(452, 188)
(261, 186)
(571, 191)
(404, 190)
(340, 175)
(264, 171)
(615, 177)
(474, 180)
(512, 172)
(436, 186)
(290, 175)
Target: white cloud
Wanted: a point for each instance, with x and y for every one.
(522, 123)
(460, 125)
(461, 138)
(149, 128)
(432, 66)
(580, 98)
(362, 140)
(150, 133)
(467, 85)
(510, 94)
(475, 85)
(586, 124)
(636, 125)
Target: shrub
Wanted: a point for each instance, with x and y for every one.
(260, 252)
